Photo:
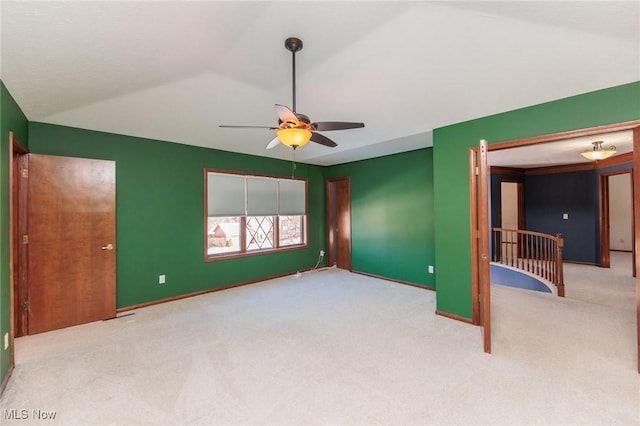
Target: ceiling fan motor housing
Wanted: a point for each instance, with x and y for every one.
(303, 119)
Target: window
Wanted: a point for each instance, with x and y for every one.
(290, 231)
(248, 214)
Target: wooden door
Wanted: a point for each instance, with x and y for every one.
(605, 235)
(634, 248)
(636, 229)
(71, 221)
(18, 225)
(484, 278)
(339, 208)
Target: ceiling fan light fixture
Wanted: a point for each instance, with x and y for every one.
(294, 137)
(295, 129)
(597, 152)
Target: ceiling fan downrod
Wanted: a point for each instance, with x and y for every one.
(293, 45)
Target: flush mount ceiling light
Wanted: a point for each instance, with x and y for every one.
(598, 152)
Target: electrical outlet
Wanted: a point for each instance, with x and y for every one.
(6, 341)
(162, 279)
(565, 216)
(430, 269)
(321, 253)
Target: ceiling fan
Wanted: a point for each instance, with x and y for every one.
(295, 129)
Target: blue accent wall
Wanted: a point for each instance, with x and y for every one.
(548, 197)
(619, 168)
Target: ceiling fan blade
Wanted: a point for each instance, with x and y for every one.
(286, 115)
(248, 127)
(322, 140)
(324, 126)
(273, 143)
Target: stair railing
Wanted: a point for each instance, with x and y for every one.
(534, 252)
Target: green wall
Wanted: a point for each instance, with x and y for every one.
(159, 212)
(392, 215)
(451, 172)
(409, 210)
(11, 120)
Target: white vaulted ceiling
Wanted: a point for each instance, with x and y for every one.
(174, 71)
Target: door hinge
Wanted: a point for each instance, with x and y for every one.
(477, 171)
(25, 173)
(477, 234)
(25, 305)
(25, 239)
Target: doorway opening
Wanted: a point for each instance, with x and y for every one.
(616, 217)
(511, 205)
(339, 222)
(633, 127)
(17, 230)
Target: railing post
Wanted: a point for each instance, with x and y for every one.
(560, 275)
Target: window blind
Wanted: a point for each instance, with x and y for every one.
(230, 194)
(291, 197)
(262, 196)
(225, 194)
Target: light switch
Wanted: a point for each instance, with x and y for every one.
(565, 216)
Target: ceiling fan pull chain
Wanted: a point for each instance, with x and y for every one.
(293, 162)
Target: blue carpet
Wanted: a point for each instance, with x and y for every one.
(510, 278)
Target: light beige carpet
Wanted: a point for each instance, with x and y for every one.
(333, 347)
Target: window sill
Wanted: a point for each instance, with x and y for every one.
(236, 255)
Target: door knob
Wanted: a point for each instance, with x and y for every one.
(107, 247)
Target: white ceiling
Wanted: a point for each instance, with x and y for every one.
(174, 71)
(560, 152)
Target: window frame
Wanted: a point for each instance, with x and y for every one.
(243, 252)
